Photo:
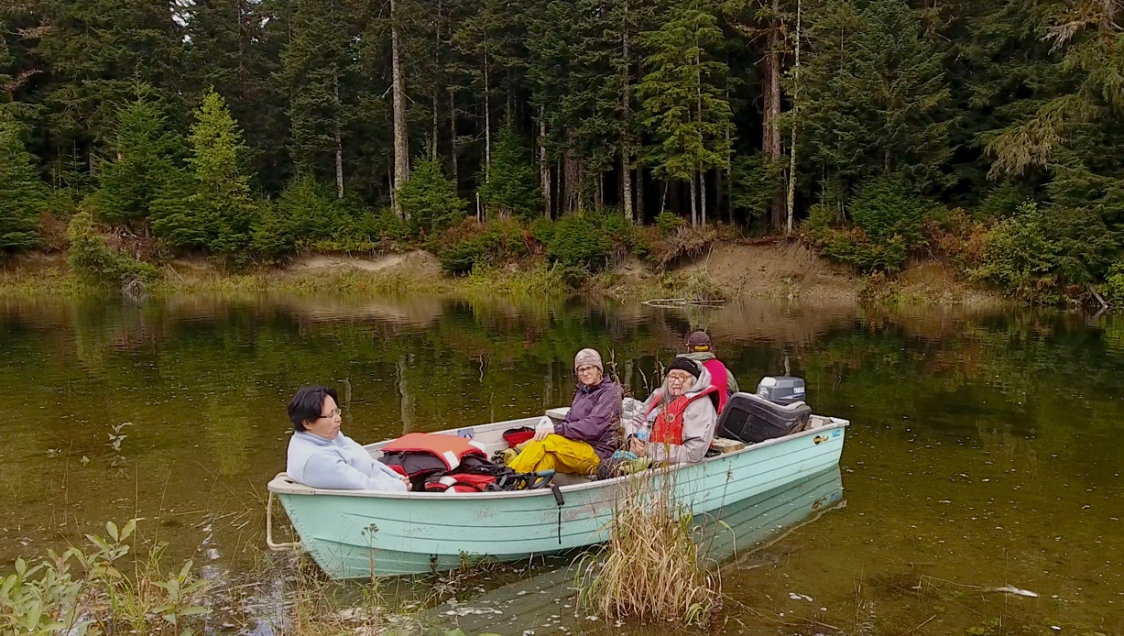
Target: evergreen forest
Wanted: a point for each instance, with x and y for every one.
(981, 132)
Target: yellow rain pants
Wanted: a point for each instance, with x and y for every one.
(558, 453)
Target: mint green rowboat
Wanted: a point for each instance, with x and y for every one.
(361, 534)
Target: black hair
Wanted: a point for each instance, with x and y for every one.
(306, 404)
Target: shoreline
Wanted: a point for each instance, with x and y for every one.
(784, 271)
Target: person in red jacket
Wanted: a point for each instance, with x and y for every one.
(700, 349)
(676, 424)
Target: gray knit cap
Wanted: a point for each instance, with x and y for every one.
(588, 356)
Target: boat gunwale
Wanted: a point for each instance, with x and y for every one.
(281, 484)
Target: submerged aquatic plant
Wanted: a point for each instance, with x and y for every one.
(654, 567)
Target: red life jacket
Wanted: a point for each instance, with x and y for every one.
(446, 463)
(451, 449)
(668, 427)
(719, 378)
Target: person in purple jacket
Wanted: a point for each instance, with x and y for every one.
(590, 432)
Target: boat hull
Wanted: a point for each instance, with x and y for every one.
(367, 534)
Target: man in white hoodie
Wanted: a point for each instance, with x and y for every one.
(676, 424)
(321, 456)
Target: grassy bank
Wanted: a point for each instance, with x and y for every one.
(596, 255)
(57, 280)
(528, 278)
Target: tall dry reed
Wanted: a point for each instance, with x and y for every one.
(653, 568)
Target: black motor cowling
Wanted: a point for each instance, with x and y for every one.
(753, 419)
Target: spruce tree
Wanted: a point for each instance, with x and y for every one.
(234, 46)
(684, 108)
(143, 154)
(512, 188)
(95, 52)
(429, 200)
(5, 66)
(875, 98)
(490, 42)
(22, 194)
(317, 62)
(209, 206)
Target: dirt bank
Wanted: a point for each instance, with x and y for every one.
(784, 270)
(779, 270)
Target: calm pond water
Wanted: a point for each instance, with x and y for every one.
(985, 448)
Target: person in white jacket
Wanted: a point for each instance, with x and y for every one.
(321, 456)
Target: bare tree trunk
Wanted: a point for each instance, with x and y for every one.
(796, 111)
(626, 146)
(487, 123)
(339, 139)
(640, 195)
(771, 135)
(455, 147)
(573, 176)
(436, 89)
(626, 187)
(544, 166)
(699, 115)
(729, 179)
(401, 140)
(694, 200)
(702, 196)
(436, 131)
(663, 199)
(600, 202)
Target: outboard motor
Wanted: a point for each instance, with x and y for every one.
(776, 410)
(782, 390)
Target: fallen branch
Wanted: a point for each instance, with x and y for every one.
(919, 626)
(1100, 299)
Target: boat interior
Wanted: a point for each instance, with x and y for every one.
(490, 438)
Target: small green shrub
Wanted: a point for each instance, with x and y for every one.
(85, 593)
(854, 248)
(510, 187)
(886, 207)
(667, 222)
(580, 240)
(463, 247)
(1038, 253)
(1002, 202)
(542, 230)
(821, 217)
(22, 193)
(756, 184)
(1113, 287)
(888, 221)
(92, 259)
(429, 199)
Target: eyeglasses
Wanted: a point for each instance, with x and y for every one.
(675, 377)
(332, 413)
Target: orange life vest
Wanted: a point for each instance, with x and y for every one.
(451, 449)
(668, 427)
